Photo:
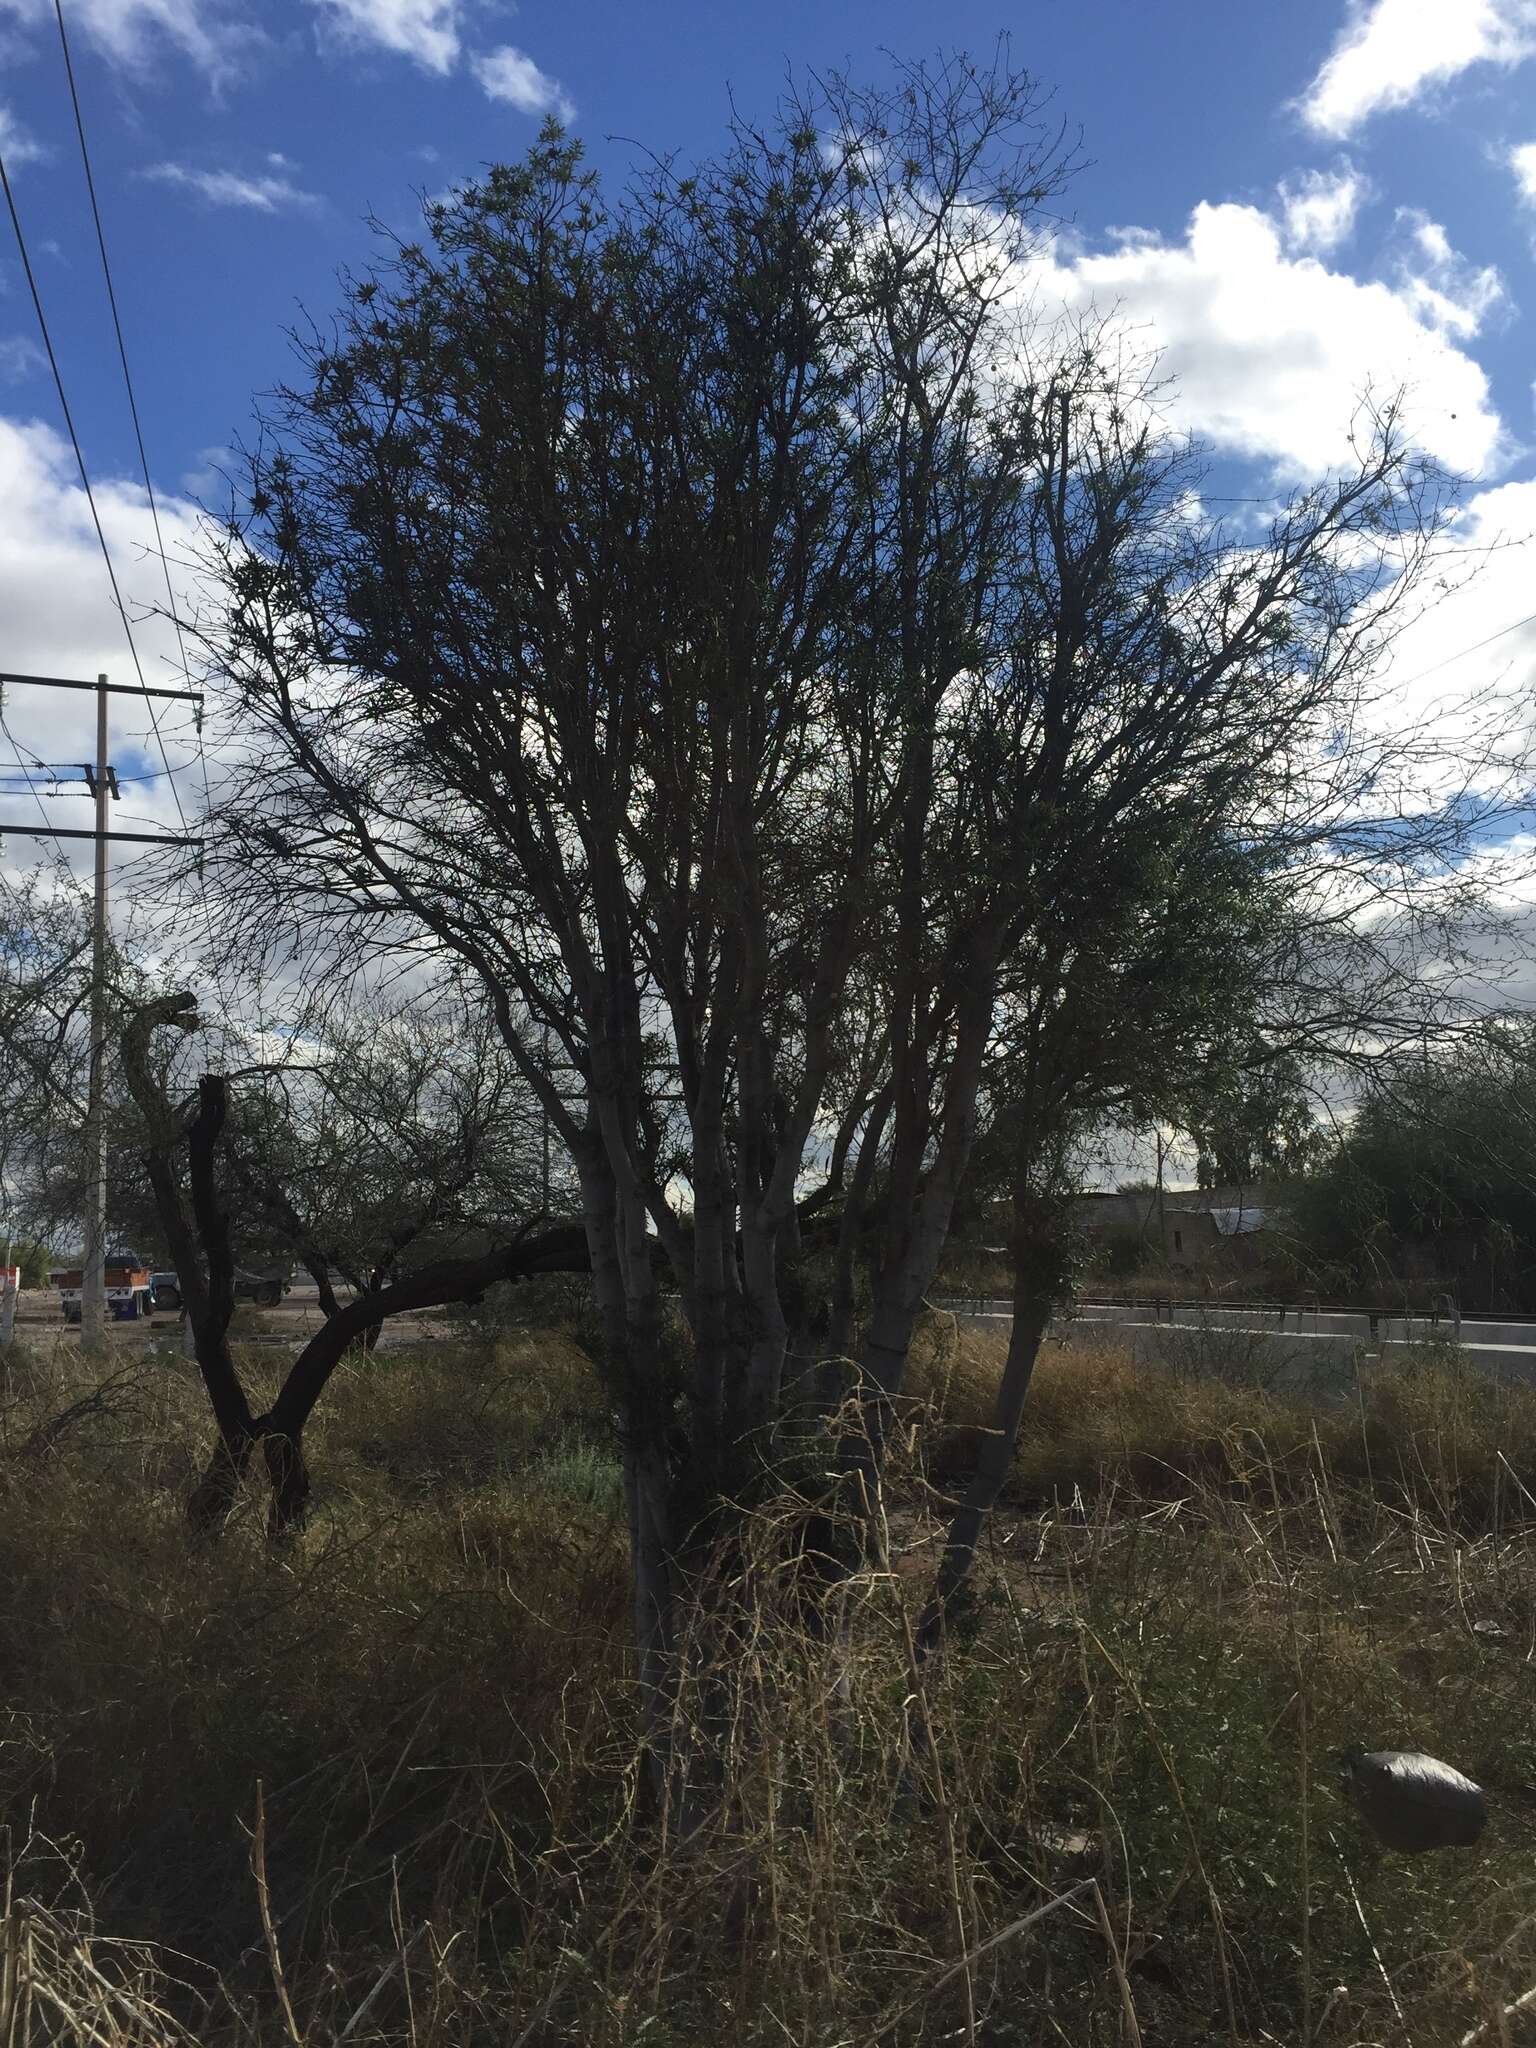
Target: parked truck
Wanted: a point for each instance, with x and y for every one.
(128, 1296)
(266, 1288)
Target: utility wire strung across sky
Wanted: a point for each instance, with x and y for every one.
(61, 865)
(169, 774)
(56, 783)
(74, 438)
(117, 329)
(68, 418)
(14, 744)
(172, 607)
(1461, 652)
(50, 831)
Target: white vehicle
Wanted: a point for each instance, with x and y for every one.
(127, 1287)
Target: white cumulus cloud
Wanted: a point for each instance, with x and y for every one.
(1390, 52)
(221, 36)
(1464, 660)
(60, 620)
(1442, 287)
(1319, 208)
(1269, 352)
(20, 357)
(17, 145)
(1492, 533)
(1522, 161)
(213, 35)
(426, 31)
(261, 194)
(511, 75)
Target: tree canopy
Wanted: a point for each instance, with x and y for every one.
(793, 676)
(1431, 1180)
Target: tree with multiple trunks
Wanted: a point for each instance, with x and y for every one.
(795, 678)
(196, 1146)
(567, 626)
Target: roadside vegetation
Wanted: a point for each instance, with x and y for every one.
(385, 1783)
(745, 744)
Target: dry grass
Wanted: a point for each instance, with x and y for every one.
(1429, 1433)
(1195, 1596)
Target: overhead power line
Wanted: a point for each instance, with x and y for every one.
(149, 490)
(69, 422)
(18, 750)
(1462, 652)
(102, 686)
(60, 784)
(117, 329)
(62, 867)
(64, 407)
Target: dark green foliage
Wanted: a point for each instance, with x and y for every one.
(1255, 1123)
(1433, 1184)
(34, 1261)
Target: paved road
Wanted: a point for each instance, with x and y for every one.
(1290, 1340)
(38, 1314)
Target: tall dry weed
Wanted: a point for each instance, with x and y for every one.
(1108, 1808)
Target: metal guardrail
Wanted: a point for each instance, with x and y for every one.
(1163, 1307)
(1290, 1329)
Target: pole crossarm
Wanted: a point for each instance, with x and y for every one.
(101, 781)
(113, 689)
(78, 832)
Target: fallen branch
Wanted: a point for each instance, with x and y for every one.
(1481, 2031)
(269, 1931)
(47, 1435)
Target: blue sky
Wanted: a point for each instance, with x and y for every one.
(1291, 201)
(237, 152)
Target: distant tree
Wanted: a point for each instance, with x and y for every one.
(1438, 1159)
(192, 1155)
(1254, 1123)
(390, 1131)
(35, 1261)
(45, 1008)
(45, 955)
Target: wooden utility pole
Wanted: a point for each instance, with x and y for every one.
(102, 783)
(93, 1290)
